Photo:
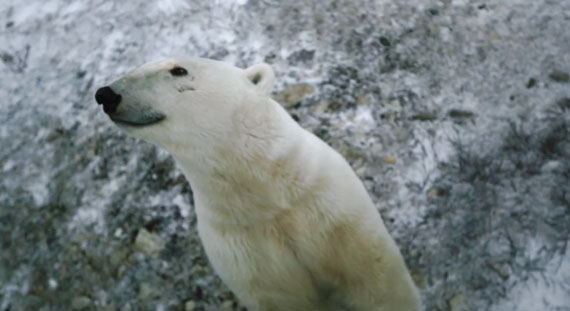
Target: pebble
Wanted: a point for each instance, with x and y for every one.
(119, 256)
(190, 305)
(118, 233)
(227, 305)
(560, 76)
(148, 243)
(146, 291)
(294, 94)
(389, 160)
(80, 303)
(434, 192)
(458, 303)
(458, 113)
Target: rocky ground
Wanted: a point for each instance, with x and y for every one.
(455, 114)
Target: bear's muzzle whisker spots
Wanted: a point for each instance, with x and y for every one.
(185, 89)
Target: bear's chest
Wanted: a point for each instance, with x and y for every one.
(259, 260)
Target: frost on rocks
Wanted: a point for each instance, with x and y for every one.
(455, 114)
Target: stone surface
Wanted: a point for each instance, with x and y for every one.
(469, 97)
(227, 305)
(293, 94)
(190, 305)
(80, 303)
(458, 303)
(146, 291)
(148, 243)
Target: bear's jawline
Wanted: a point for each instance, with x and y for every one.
(138, 124)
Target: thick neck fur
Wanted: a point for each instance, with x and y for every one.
(254, 176)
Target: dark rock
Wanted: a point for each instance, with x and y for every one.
(460, 114)
(301, 57)
(559, 76)
(424, 116)
(385, 41)
(531, 83)
(564, 103)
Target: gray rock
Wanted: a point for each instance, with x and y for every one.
(560, 76)
(148, 243)
(293, 94)
(80, 303)
(146, 291)
(190, 305)
(227, 305)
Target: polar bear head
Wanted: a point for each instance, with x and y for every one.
(188, 103)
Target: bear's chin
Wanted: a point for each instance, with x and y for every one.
(138, 123)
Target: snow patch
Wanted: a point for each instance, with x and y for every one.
(87, 216)
(72, 8)
(34, 11)
(39, 190)
(183, 204)
(231, 2)
(8, 165)
(539, 292)
(52, 283)
(172, 6)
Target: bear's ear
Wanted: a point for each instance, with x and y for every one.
(262, 77)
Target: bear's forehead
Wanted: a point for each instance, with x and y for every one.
(149, 69)
(192, 65)
(161, 65)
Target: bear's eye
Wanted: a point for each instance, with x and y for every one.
(178, 71)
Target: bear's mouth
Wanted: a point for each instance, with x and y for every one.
(138, 123)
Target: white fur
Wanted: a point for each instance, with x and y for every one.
(285, 221)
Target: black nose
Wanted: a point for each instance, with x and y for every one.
(108, 98)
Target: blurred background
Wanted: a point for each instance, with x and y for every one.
(454, 113)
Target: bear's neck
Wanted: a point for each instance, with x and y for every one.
(253, 178)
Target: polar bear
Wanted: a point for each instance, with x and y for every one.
(284, 220)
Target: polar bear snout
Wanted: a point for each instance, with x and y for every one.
(108, 98)
(126, 112)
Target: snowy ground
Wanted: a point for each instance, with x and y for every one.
(455, 114)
